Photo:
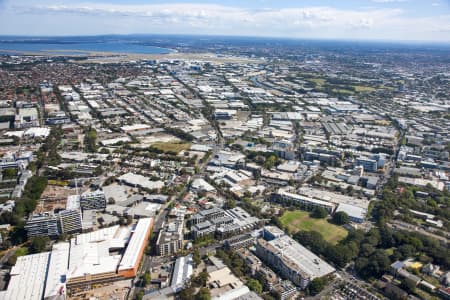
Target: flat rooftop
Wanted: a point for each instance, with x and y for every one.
(26, 285)
(333, 197)
(306, 199)
(89, 252)
(298, 257)
(138, 240)
(352, 211)
(182, 272)
(57, 270)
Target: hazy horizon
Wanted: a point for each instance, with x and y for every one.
(353, 20)
(211, 36)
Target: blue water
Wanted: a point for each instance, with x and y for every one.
(76, 47)
(162, 44)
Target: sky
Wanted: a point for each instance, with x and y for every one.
(396, 20)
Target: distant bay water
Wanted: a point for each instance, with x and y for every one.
(76, 46)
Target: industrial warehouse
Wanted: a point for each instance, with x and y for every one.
(95, 258)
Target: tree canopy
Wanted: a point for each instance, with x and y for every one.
(255, 286)
(319, 213)
(341, 218)
(317, 285)
(38, 244)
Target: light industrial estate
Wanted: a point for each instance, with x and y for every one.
(90, 259)
(226, 168)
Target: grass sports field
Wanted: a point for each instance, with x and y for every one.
(363, 89)
(300, 220)
(175, 147)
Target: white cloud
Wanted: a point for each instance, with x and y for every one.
(213, 15)
(435, 4)
(308, 22)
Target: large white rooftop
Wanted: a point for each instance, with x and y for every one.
(137, 241)
(41, 132)
(135, 127)
(44, 275)
(201, 184)
(73, 202)
(92, 258)
(299, 258)
(333, 197)
(89, 252)
(182, 272)
(352, 211)
(27, 278)
(57, 270)
(305, 198)
(233, 293)
(142, 181)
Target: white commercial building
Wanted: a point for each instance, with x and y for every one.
(55, 286)
(284, 196)
(89, 252)
(199, 185)
(355, 213)
(89, 259)
(292, 260)
(140, 181)
(135, 127)
(240, 293)
(182, 272)
(27, 278)
(37, 132)
(136, 245)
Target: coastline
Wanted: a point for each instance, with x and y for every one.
(80, 52)
(115, 57)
